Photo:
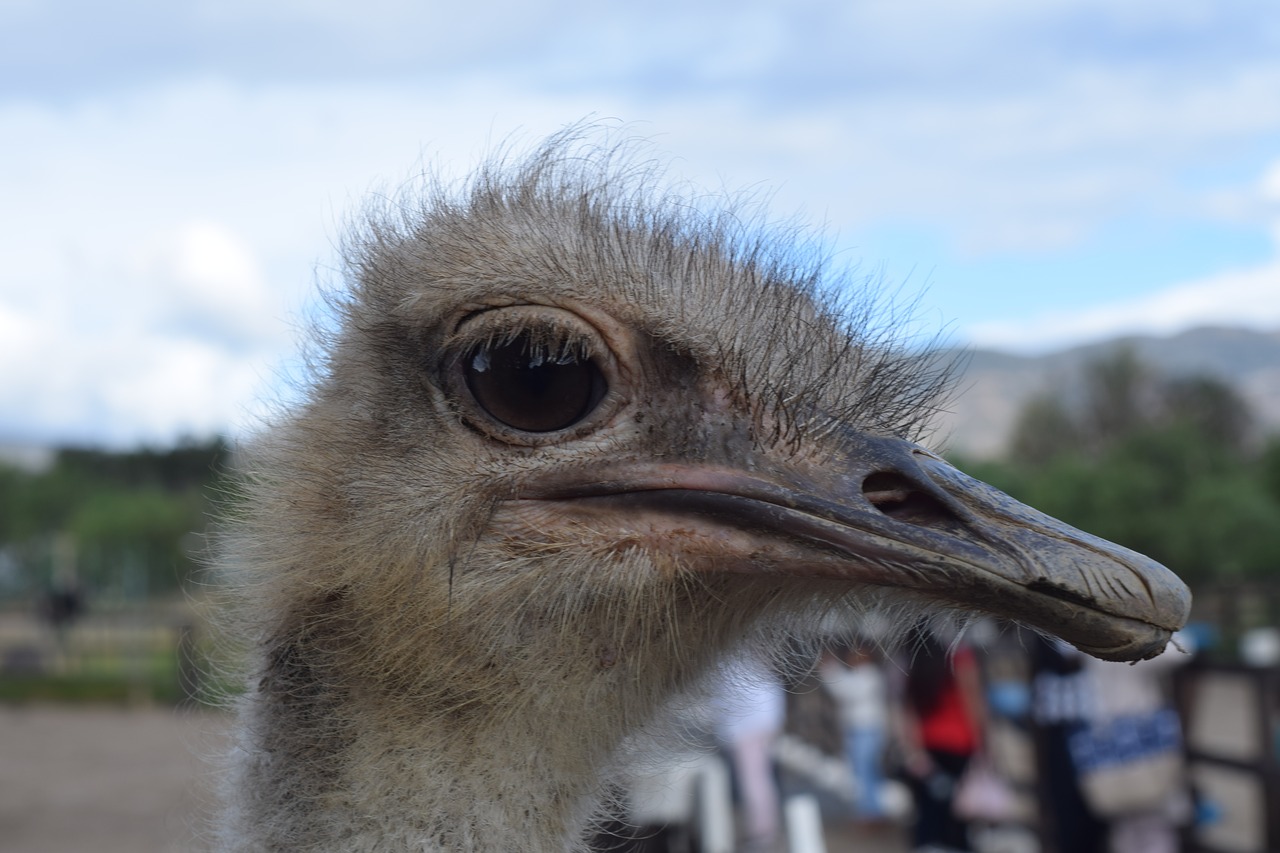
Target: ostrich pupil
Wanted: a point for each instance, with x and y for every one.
(533, 388)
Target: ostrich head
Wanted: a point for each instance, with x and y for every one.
(566, 446)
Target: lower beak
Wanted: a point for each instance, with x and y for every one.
(894, 514)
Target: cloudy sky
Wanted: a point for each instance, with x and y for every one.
(176, 176)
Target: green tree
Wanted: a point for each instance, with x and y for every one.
(131, 518)
(1118, 397)
(1269, 467)
(1044, 430)
(1164, 466)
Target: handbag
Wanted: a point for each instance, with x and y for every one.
(1130, 763)
(983, 794)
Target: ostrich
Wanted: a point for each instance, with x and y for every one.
(569, 443)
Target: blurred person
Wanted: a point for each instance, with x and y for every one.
(1060, 706)
(750, 708)
(61, 607)
(1110, 751)
(856, 681)
(1148, 799)
(940, 720)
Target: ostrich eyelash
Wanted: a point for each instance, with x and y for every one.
(547, 342)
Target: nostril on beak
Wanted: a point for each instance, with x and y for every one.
(898, 498)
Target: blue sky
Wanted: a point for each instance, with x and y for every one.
(176, 176)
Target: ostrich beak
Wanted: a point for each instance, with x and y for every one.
(891, 513)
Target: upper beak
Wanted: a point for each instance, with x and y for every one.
(891, 513)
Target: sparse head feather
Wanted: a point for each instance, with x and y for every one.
(704, 276)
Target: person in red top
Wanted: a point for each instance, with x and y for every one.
(940, 729)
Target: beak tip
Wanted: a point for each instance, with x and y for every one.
(1135, 628)
(1135, 639)
(1145, 647)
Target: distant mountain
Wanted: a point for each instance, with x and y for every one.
(32, 458)
(992, 387)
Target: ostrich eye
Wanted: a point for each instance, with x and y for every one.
(531, 387)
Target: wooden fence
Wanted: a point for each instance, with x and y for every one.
(152, 651)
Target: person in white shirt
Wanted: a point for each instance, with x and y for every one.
(857, 684)
(750, 709)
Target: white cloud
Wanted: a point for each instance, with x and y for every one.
(204, 281)
(1236, 298)
(1239, 297)
(178, 343)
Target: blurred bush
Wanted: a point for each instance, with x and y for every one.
(121, 525)
(1171, 467)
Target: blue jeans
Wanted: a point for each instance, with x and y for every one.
(865, 748)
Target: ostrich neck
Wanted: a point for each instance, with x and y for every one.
(324, 765)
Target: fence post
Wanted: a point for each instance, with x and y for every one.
(804, 824)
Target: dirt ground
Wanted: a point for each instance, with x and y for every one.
(74, 780)
(105, 780)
